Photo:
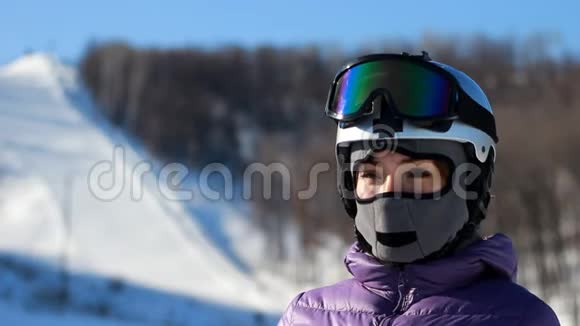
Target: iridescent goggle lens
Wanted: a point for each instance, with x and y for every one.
(414, 90)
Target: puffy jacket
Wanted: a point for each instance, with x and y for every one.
(475, 286)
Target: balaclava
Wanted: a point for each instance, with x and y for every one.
(401, 228)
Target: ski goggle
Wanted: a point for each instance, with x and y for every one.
(414, 89)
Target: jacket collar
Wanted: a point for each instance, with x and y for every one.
(492, 256)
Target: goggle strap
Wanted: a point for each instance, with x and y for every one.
(475, 115)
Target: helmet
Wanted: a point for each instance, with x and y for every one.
(381, 128)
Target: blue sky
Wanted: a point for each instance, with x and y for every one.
(66, 27)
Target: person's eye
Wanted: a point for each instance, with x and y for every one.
(368, 175)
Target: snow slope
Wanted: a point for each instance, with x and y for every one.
(50, 138)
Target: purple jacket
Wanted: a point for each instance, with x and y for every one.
(473, 287)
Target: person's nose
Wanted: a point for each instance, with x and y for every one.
(388, 184)
(389, 180)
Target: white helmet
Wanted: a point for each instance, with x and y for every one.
(369, 98)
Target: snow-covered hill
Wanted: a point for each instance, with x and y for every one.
(50, 138)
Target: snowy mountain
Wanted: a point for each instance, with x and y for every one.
(146, 260)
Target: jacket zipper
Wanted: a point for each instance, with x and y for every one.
(405, 298)
(401, 292)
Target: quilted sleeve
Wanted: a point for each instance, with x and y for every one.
(288, 315)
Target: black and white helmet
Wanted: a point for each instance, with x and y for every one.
(473, 128)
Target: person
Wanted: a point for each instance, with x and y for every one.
(415, 148)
